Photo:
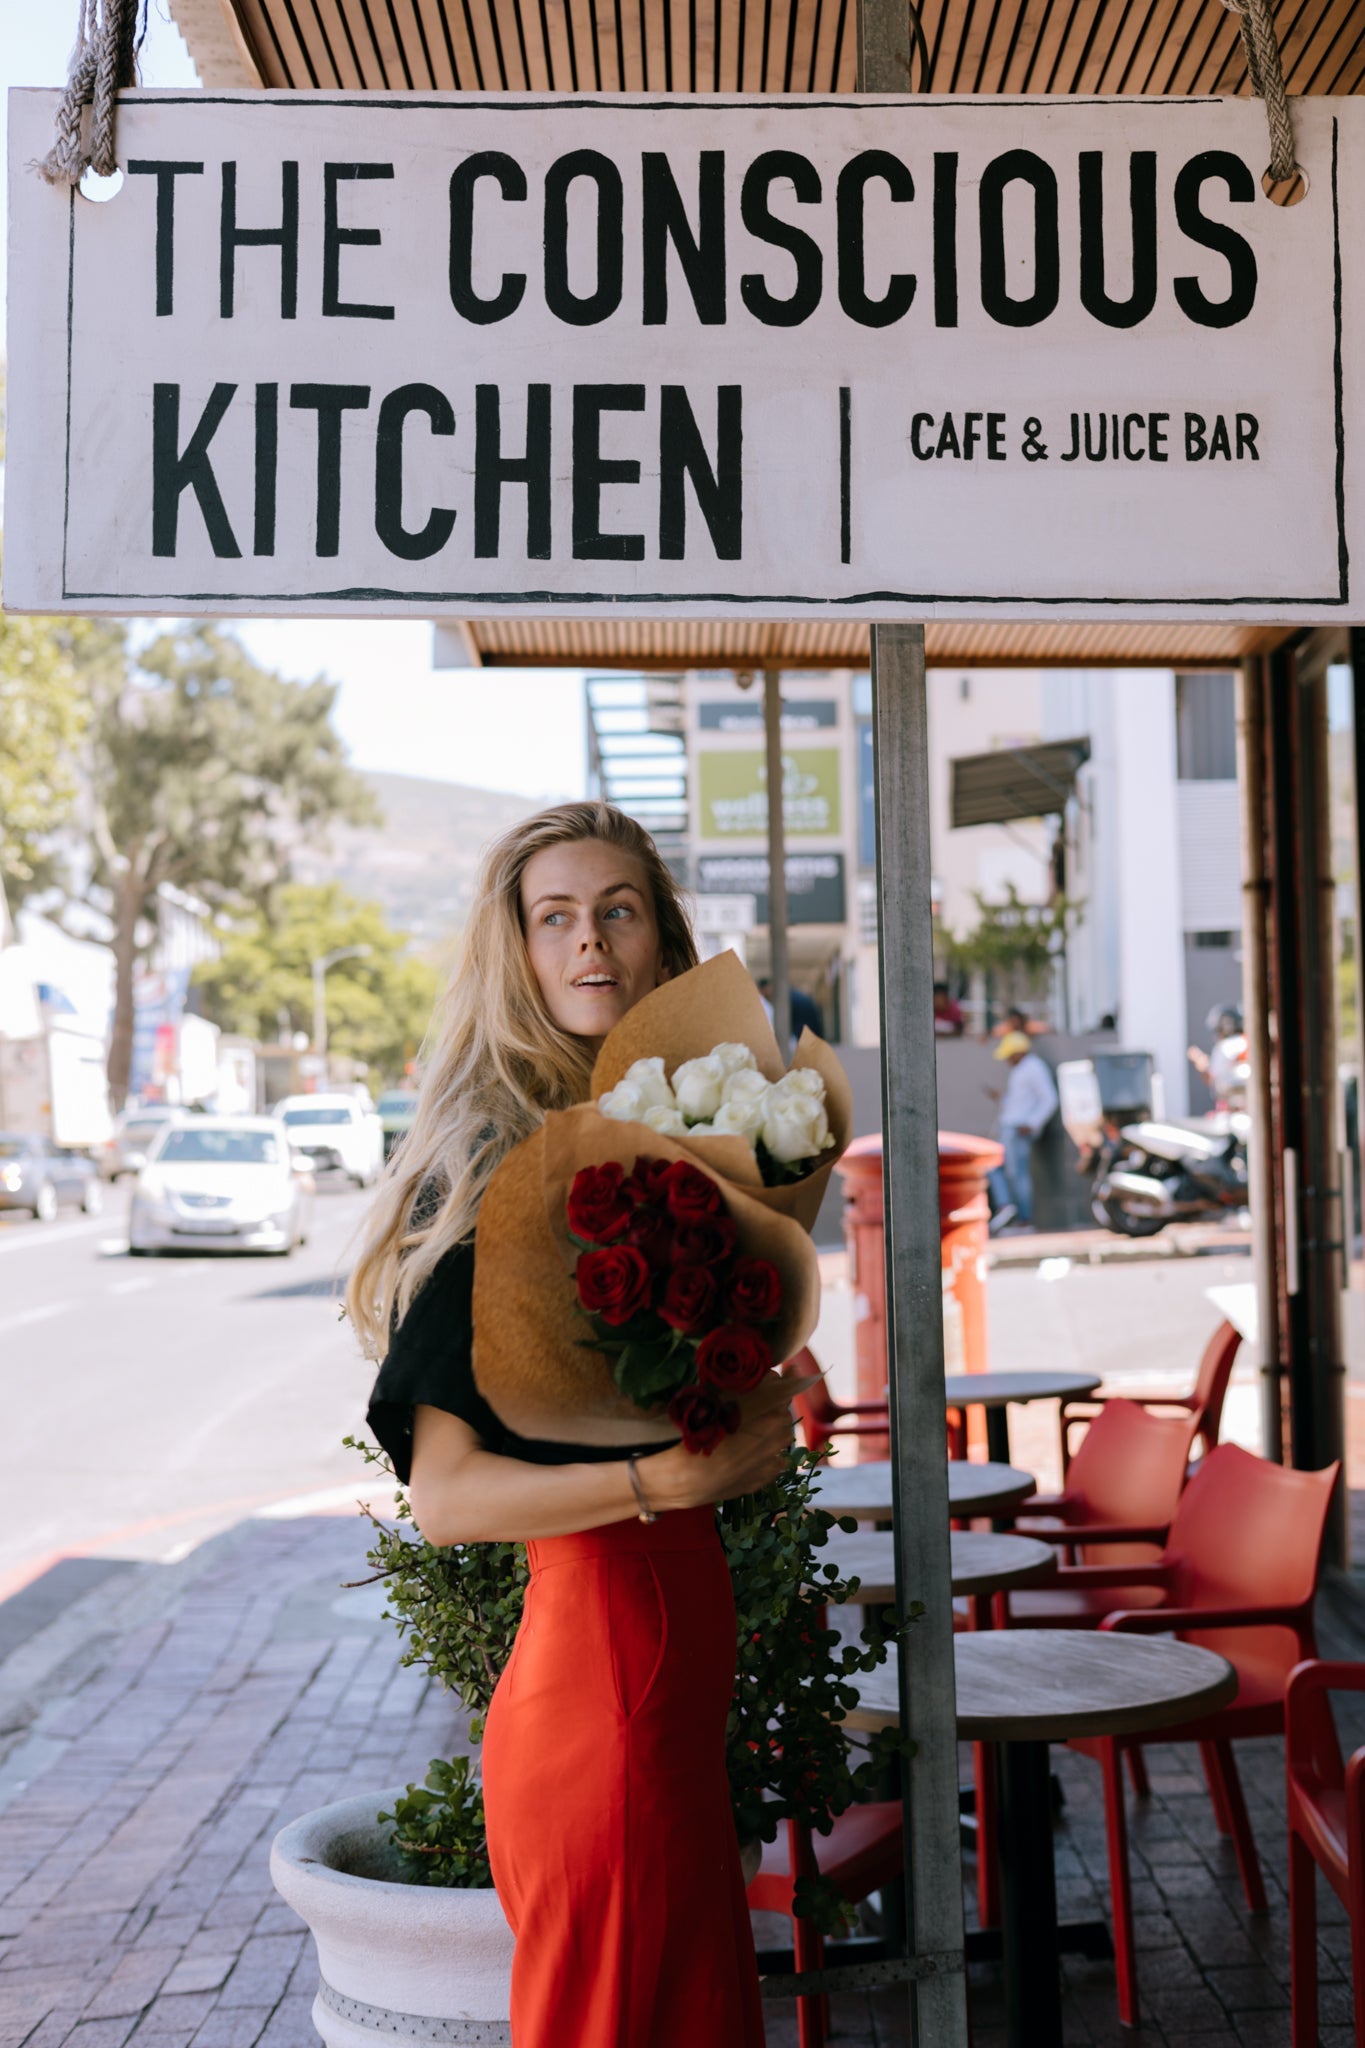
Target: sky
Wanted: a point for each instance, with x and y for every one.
(520, 730)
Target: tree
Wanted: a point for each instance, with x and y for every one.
(1013, 937)
(204, 770)
(378, 1007)
(43, 712)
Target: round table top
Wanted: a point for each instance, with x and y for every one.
(1046, 1684)
(994, 1389)
(982, 1562)
(864, 1491)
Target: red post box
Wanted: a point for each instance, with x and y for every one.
(964, 1218)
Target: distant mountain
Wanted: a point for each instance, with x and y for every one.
(422, 863)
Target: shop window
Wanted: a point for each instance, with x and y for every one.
(1206, 728)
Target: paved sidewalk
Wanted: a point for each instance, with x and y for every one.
(138, 1804)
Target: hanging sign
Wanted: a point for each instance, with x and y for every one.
(954, 358)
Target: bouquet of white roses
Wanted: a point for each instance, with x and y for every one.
(723, 1094)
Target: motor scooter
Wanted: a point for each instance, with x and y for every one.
(1162, 1173)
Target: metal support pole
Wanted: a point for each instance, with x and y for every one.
(914, 1323)
(1251, 685)
(777, 863)
(1320, 1425)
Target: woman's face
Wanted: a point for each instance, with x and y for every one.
(591, 934)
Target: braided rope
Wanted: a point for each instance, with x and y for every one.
(103, 63)
(1267, 80)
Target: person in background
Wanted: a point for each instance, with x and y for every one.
(1017, 1020)
(1028, 1105)
(948, 1018)
(806, 1014)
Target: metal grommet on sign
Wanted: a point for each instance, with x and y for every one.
(101, 190)
(1285, 191)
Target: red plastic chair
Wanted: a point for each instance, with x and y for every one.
(1204, 1401)
(1326, 1813)
(864, 1850)
(1121, 1492)
(821, 1417)
(1238, 1576)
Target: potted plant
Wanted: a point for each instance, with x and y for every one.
(397, 1890)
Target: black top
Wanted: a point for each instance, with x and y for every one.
(430, 1359)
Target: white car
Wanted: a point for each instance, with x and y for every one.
(343, 1133)
(220, 1184)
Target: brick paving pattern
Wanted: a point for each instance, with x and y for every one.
(136, 1909)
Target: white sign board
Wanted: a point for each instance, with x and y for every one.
(726, 913)
(953, 358)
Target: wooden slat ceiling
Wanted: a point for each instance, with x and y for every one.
(975, 46)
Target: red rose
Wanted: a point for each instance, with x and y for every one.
(599, 1206)
(755, 1294)
(689, 1298)
(651, 1233)
(702, 1418)
(733, 1361)
(613, 1283)
(705, 1243)
(691, 1196)
(649, 1181)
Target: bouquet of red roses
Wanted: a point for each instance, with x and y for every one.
(669, 1295)
(619, 1304)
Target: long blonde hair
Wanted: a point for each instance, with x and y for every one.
(495, 1063)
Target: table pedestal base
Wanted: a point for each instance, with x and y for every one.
(1028, 1897)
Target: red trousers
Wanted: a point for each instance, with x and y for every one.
(609, 1825)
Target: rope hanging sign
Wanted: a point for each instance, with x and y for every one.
(726, 357)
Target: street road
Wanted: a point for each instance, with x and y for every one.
(148, 1403)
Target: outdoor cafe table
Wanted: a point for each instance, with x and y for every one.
(982, 1562)
(864, 1491)
(992, 1390)
(1024, 1688)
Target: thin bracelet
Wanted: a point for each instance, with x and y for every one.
(647, 1513)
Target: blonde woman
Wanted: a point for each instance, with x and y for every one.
(609, 1826)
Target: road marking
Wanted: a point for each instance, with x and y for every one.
(35, 1315)
(137, 1286)
(328, 1497)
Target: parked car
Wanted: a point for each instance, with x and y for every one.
(397, 1107)
(126, 1151)
(221, 1184)
(38, 1175)
(339, 1133)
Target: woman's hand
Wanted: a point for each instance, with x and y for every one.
(747, 1461)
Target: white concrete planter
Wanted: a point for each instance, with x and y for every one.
(398, 1963)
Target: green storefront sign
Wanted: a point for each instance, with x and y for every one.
(733, 787)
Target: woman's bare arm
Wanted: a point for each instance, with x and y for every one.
(462, 1493)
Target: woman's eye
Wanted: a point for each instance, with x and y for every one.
(619, 910)
(554, 916)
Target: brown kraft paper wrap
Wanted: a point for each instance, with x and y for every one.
(530, 1364)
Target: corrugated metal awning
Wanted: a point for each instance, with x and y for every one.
(739, 643)
(1012, 46)
(1016, 782)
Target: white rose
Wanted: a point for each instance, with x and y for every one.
(737, 1119)
(701, 1130)
(649, 1077)
(747, 1086)
(624, 1102)
(794, 1124)
(669, 1123)
(697, 1085)
(803, 1081)
(733, 1058)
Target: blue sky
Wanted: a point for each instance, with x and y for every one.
(520, 730)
